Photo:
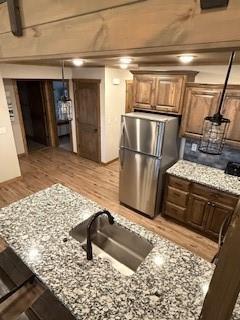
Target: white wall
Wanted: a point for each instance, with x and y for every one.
(115, 96)
(9, 166)
(17, 133)
(17, 71)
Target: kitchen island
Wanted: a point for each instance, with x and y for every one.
(170, 284)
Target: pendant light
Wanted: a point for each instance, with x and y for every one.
(215, 127)
(64, 103)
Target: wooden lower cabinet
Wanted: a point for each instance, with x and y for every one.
(218, 213)
(175, 211)
(198, 207)
(197, 211)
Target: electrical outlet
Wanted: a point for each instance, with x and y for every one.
(212, 4)
(194, 147)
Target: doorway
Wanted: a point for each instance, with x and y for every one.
(33, 113)
(87, 113)
(63, 127)
(37, 102)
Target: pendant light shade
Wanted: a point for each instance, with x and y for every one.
(214, 134)
(215, 127)
(64, 103)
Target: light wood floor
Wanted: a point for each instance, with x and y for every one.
(45, 167)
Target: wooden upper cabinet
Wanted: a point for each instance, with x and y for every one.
(199, 102)
(231, 110)
(143, 91)
(169, 93)
(160, 91)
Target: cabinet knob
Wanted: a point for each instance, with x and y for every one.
(209, 203)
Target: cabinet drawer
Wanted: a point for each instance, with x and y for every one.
(179, 183)
(215, 195)
(175, 211)
(177, 197)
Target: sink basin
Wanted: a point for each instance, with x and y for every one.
(124, 248)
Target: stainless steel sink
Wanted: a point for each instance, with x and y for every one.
(119, 243)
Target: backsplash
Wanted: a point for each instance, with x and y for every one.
(220, 162)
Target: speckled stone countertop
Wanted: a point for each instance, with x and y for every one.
(208, 176)
(169, 284)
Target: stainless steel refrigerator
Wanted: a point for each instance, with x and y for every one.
(148, 147)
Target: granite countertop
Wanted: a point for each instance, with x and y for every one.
(208, 176)
(170, 284)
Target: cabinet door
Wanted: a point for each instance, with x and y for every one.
(168, 93)
(198, 104)
(143, 91)
(217, 214)
(197, 212)
(231, 110)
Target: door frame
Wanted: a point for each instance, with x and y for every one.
(76, 113)
(51, 114)
(20, 116)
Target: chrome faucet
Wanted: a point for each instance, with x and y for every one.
(89, 242)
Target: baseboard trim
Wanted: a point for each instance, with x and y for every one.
(109, 162)
(10, 181)
(20, 155)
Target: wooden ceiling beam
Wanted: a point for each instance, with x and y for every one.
(144, 27)
(45, 11)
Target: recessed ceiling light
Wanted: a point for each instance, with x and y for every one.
(186, 58)
(124, 66)
(77, 62)
(125, 60)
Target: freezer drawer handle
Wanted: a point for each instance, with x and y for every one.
(122, 134)
(121, 154)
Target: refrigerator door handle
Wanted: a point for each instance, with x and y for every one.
(122, 134)
(160, 131)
